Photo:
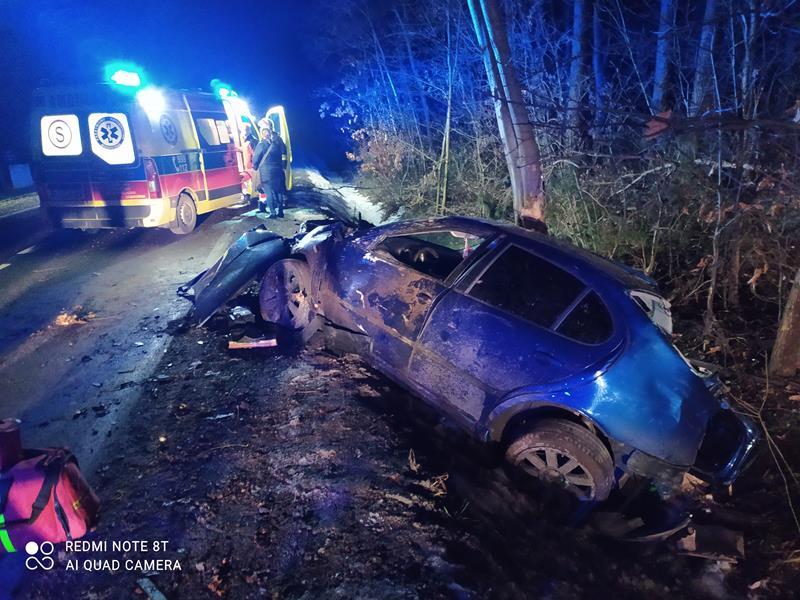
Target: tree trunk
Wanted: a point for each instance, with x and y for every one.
(701, 85)
(785, 359)
(516, 131)
(666, 24)
(577, 73)
(598, 66)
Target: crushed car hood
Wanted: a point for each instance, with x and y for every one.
(247, 258)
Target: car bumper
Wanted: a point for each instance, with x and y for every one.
(728, 447)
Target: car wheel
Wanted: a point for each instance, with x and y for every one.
(565, 454)
(284, 297)
(185, 216)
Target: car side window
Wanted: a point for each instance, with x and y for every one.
(527, 286)
(589, 322)
(436, 254)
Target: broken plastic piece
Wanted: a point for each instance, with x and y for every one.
(247, 342)
(241, 313)
(713, 543)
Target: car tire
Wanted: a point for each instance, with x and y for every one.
(185, 216)
(285, 298)
(566, 454)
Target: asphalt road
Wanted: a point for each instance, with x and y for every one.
(57, 375)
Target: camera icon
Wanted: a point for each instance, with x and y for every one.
(34, 561)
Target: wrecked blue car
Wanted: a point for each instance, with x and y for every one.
(561, 356)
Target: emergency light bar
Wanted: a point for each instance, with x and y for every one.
(126, 78)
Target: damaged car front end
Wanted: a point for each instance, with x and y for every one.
(558, 355)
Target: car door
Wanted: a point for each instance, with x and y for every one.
(513, 324)
(389, 284)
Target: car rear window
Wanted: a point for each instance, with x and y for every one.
(527, 286)
(589, 322)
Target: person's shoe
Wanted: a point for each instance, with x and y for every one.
(272, 217)
(280, 215)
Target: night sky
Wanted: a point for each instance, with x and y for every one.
(257, 47)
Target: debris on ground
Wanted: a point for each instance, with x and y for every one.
(248, 342)
(241, 314)
(713, 543)
(66, 319)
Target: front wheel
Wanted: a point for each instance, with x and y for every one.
(185, 216)
(565, 454)
(285, 297)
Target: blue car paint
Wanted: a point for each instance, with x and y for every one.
(483, 366)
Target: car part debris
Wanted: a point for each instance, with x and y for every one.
(247, 343)
(713, 543)
(220, 417)
(248, 257)
(240, 313)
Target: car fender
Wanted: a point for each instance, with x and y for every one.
(528, 402)
(248, 257)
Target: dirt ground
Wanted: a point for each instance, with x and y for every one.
(301, 474)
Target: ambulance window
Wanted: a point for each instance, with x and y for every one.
(222, 129)
(207, 130)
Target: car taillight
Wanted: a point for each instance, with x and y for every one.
(153, 182)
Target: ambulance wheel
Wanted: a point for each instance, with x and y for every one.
(185, 216)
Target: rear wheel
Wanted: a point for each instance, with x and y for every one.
(185, 216)
(284, 297)
(567, 455)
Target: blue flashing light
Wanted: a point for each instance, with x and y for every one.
(126, 78)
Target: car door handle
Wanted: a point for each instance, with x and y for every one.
(423, 298)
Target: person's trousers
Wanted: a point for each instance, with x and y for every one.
(276, 189)
(275, 201)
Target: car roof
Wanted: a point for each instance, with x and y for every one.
(623, 274)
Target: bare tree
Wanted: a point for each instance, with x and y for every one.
(666, 24)
(598, 64)
(703, 67)
(577, 72)
(516, 131)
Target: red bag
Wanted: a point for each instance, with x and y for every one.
(44, 497)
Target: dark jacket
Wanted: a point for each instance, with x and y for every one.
(268, 159)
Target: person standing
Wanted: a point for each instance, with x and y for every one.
(268, 159)
(249, 142)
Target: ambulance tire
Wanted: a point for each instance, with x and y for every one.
(185, 216)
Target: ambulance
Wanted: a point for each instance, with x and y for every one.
(152, 157)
